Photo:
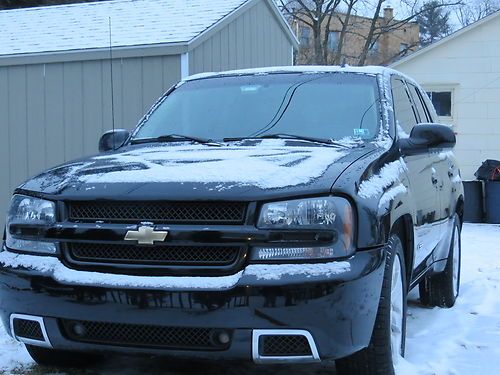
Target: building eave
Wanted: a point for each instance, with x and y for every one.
(162, 49)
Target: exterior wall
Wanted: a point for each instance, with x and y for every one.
(52, 113)
(389, 43)
(54, 107)
(470, 65)
(255, 39)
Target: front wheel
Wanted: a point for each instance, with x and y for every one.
(61, 358)
(388, 339)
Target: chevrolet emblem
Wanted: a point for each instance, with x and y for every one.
(146, 236)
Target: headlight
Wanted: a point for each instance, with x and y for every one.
(28, 219)
(332, 214)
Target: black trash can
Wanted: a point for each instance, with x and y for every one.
(473, 205)
(492, 201)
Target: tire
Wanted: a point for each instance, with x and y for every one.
(385, 347)
(61, 358)
(443, 288)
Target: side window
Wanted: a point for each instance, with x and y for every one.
(305, 34)
(423, 113)
(404, 112)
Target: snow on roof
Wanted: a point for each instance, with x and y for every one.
(373, 70)
(86, 25)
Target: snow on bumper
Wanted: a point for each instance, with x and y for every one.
(256, 273)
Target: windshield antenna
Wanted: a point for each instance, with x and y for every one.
(112, 83)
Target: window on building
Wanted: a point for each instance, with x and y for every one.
(333, 40)
(441, 101)
(304, 35)
(403, 47)
(374, 48)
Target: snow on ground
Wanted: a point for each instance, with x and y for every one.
(459, 341)
(466, 338)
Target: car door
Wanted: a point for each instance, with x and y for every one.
(423, 176)
(444, 163)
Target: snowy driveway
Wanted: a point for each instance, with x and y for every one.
(461, 341)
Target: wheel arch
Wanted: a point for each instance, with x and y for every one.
(403, 227)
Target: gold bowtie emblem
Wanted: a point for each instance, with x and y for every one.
(146, 236)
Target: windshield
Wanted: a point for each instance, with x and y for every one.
(325, 106)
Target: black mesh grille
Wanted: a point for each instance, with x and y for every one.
(284, 345)
(157, 255)
(142, 335)
(159, 212)
(28, 329)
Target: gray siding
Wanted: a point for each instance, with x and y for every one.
(255, 39)
(52, 113)
(55, 106)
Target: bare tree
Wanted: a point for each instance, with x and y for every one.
(319, 14)
(345, 22)
(473, 10)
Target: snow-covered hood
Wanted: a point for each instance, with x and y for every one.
(248, 170)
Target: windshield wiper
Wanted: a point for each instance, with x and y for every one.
(291, 136)
(175, 138)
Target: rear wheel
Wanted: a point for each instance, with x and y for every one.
(61, 358)
(442, 289)
(388, 338)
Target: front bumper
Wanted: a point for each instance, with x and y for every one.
(335, 302)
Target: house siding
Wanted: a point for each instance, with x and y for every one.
(470, 65)
(255, 39)
(52, 113)
(55, 106)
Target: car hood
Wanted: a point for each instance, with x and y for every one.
(251, 170)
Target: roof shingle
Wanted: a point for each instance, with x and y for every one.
(86, 26)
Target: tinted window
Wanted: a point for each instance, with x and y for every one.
(403, 109)
(330, 105)
(417, 99)
(429, 106)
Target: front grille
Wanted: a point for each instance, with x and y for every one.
(154, 255)
(140, 335)
(28, 329)
(284, 345)
(159, 212)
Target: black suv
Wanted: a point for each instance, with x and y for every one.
(277, 215)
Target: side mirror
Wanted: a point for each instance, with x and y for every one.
(425, 136)
(113, 139)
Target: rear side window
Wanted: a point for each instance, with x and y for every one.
(403, 109)
(423, 113)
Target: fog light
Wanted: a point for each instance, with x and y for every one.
(79, 329)
(224, 338)
(220, 337)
